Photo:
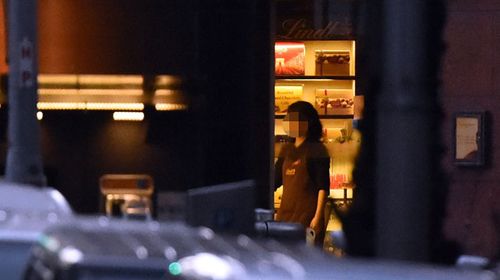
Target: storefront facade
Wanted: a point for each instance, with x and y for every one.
(469, 84)
(222, 66)
(204, 139)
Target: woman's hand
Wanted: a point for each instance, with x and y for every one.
(315, 223)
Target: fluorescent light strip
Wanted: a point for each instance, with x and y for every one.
(128, 116)
(170, 107)
(61, 106)
(164, 92)
(130, 92)
(109, 79)
(57, 91)
(115, 106)
(89, 106)
(57, 79)
(135, 92)
(90, 79)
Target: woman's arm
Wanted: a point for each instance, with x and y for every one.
(319, 214)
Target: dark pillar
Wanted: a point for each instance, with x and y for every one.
(24, 163)
(234, 86)
(407, 131)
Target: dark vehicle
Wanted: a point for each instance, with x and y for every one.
(25, 212)
(103, 248)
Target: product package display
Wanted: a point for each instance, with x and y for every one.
(289, 58)
(334, 102)
(284, 96)
(332, 63)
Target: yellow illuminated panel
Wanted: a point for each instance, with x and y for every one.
(89, 106)
(284, 96)
(57, 91)
(128, 116)
(57, 79)
(164, 92)
(339, 193)
(115, 106)
(91, 79)
(170, 106)
(106, 92)
(110, 79)
(130, 92)
(61, 106)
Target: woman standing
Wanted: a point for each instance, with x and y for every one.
(303, 170)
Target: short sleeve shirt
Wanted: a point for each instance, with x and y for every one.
(318, 162)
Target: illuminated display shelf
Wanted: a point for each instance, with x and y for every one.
(314, 78)
(323, 116)
(301, 70)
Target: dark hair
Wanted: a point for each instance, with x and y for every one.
(307, 111)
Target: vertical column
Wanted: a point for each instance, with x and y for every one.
(407, 134)
(24, 164)
(234, 82)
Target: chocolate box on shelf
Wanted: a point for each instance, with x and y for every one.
(332, 63)
(321, 101)
(284, 96)
(334, 102)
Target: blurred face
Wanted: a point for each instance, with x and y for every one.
(294, 126)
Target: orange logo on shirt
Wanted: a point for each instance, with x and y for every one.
(290, 171)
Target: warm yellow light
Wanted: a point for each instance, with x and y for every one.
(48, 79)
(39, 115)
(61, 106)
(166, 80)
(292, 88)
(89, 106)
(59, 91)
(339, 193)
(282, 46)
(135, 92)
(57, 79)
(110, 79)
(307, 80)
(353, 64)
(115, 106)
(164, 92)
(170, 106)
(128, 116)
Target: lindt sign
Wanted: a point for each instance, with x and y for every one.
(299, 29)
